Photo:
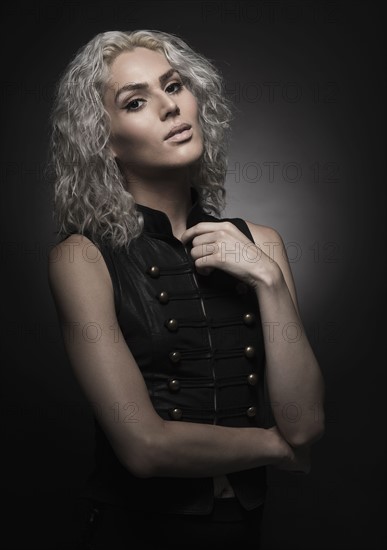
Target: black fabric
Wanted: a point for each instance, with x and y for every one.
(213, 373)
(103, 526)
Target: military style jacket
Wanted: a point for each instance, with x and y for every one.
(198, 342)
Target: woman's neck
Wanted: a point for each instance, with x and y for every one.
(174, 199)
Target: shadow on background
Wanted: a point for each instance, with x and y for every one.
(306, 157)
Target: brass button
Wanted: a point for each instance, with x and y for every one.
(251, 411)
(163, 297)
(173, 384)
(172, 325)
(175, 356)
(154, 271)
(249, 351)
(175, 414)
(252, 379)
(249, 318)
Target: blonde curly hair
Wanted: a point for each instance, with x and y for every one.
(89, 189)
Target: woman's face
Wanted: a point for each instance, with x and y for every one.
(142, 118)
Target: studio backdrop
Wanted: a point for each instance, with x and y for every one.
(306, 157)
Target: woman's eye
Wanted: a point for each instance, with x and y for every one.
(129, 106)
(133, 105)
(179, 87)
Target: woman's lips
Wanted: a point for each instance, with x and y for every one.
(181, 136)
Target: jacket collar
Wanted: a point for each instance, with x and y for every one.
(157, 222)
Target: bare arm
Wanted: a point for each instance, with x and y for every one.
(294, 380)
(109, 376)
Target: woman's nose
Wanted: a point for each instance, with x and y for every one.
(169, 107)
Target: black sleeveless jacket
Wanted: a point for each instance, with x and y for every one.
(198, 342)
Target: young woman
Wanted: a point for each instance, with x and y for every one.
(176, 321)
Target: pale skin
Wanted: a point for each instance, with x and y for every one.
(105, 367)
(294, 379)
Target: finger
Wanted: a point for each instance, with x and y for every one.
(204, 250)
(205, 262)
(199, 229)
(204, 238)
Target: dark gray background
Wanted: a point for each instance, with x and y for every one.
(306, 157)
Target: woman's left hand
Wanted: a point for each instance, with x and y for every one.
(222, 245)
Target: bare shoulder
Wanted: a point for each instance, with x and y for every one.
(79, 257)
(270, 241)
(76, 243)
(264, 234)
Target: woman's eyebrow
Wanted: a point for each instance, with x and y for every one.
(142, 85)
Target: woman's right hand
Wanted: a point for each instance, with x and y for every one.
(295, 459)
